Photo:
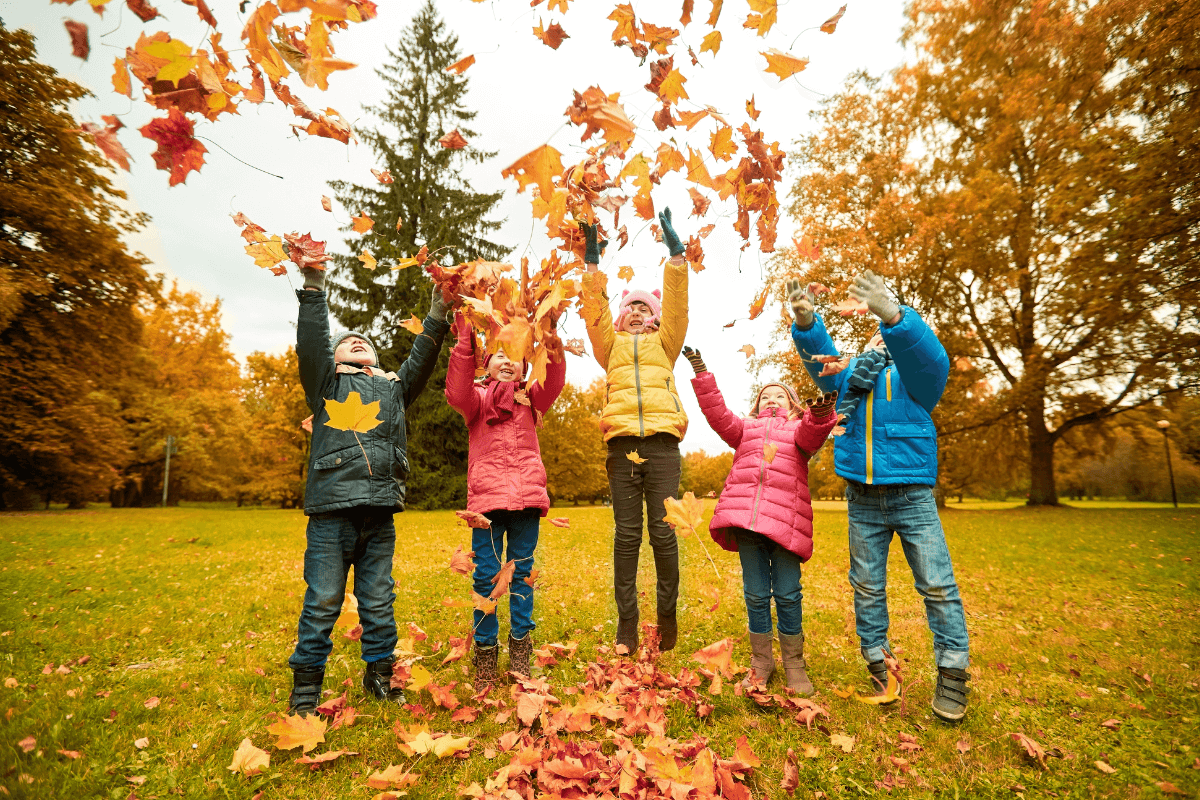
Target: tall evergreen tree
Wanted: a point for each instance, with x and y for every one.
(427, 204)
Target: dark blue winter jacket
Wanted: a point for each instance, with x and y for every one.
(345, 471)
(890, 439)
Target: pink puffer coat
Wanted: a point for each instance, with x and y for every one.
(768, 497)
(504, 463)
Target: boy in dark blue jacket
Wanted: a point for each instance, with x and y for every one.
(355, 485)
(888, 457)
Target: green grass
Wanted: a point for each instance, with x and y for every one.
(1067, 609)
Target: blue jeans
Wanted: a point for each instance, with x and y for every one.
(521, 529)
(364, 537)
(769, 570)
(911, 512)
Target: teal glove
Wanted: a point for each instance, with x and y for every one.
(670, 237)
(593, 249)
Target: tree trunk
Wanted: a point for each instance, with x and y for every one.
(1041, 468)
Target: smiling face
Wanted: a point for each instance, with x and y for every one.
(503, 368)
(773, 397)
(637, 314)
(354, 350)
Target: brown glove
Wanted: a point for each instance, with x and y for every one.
(823, 406)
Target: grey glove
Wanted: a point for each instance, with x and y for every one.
(313, 278)
(437, 305)
(802, 301)
(868, 287)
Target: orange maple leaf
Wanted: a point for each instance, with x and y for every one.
(461, 562)
(460, 66)
(552, 36)
(538, 166)
(783, 64)
(718, 655)
(106, 139)
(474, 519)
(384, 176)
(413, 325)
(751, 110)
(502, 580)
(769, 450)
(721, 144)
(759, 303)
(453, 140)
(297, 731)
(362, 223)
(711, 42)
(830, 25)
(748, 349)
(625, 273)
(633, 456)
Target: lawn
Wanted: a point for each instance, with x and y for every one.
(1083, 622)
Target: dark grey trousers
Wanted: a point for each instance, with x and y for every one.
(652, 482)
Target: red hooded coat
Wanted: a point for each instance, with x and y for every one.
(766, 496)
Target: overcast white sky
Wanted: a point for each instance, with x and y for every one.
(520, 88)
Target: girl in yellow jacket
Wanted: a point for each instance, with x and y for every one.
(643, 423)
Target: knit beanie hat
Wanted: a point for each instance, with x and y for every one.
(652, 299)
(342, 336)
(793, 398)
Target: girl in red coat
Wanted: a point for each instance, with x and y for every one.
(506, 482)
(765, 513)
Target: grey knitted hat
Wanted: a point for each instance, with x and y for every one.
(341, 336)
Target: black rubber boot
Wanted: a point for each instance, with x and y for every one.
(377, 681)
(668, 632)
(485, 659)
(627, 633)
(519, 653)
(879, 680)
(306, 691)
(950, 699)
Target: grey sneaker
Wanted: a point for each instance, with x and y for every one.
(950, 699)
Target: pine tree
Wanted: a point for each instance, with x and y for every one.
(427, 204)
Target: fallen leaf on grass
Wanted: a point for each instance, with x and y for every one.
(844, 742)
(394, 777)
(419, 678)
(1105, 767)
(317, 762)
(458, 648)
(151, 702)
(560, 522)
(142, 743)
(1032, 748)
(27, 744)
(909, 742)
(1111, 724)
(249, 760)
(296, 731)
(1169, 788)
(962, 746)
(354, 634)
(719, 655)
(791, 773)
(70, 753)
(810, 750)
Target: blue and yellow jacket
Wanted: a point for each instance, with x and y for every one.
(891, 438)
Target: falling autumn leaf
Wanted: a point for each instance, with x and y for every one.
(484, 604)
(352, 414)
(143, 9)
(552, 37)
(718, 655)
(686, 514)
(574, 347)
(625, 273)
(296, 731)
(751, 110)
(106, 139)
(711, 42)
(760, 302)
(362, 223)
(748, 349)
(203, 11)
(460, 66)
(850, 306)
(453, 140)
(763, 17)
(71, 754)
(249, 760)
(413, 325)
(178, 150)
(538, 166)
(458, 648)
(783, 64)
(368, 260)
(461, 562)
(305, 252)
(830, 25)
(807, 248)
(326, 203)
(384, 176)
(80, 47)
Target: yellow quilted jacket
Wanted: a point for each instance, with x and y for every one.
(642, 398)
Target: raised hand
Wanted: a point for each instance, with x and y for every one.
(694, 357)
(870, 289)
(670, 238)
(823, 405)
(437, 304)
(803, 302)
(593, 247)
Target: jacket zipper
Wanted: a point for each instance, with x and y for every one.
(674, 399)
(762, 466)
(888, 373)
(870, 445)
(637, 380)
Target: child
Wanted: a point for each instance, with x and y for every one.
(506, 481)
(643, 423)
(355, 485)
(765, 513)
(888, 457)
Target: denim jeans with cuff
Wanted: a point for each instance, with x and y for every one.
(365, 538)
(909, 511)
(520, 528)
(770, 570)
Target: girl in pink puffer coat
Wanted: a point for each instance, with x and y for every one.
(765, 512)
(506, 482)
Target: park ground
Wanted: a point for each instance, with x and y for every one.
(139, 647)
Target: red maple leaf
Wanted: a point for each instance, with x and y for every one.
(178, 150)
(79, 38)
(306, 252)
(106, 139)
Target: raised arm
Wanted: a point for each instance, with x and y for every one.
(818, 421)
(313, 348)
(815, 341)
(920, 357)
(542, 397)
(674, 323)
(728, 425)
(598, 317)
(422, 359)
(460, 373)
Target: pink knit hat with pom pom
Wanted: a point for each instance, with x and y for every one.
(651, 299)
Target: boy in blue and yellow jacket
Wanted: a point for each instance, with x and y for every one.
(887, 454)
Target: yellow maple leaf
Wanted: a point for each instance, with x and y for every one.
(419, 678)
(711, 43)
(671, 89)
(764, 18)
(120, 78)
(721, 144)
(686, 514)
(413, 325)
(716, 13)
(626, 29)
(748, 349)
(352, 414)
(633, 456)
(785, 65)
(267, 253)
(668, 159)
(625, 273)
(297, 731)
(249, 760)
(538, 166)
(449, 745)
(362, 223)
(719, 655)
(367, 259)
(639, 169)
(178, 56)
(769, 451)
(696, 171)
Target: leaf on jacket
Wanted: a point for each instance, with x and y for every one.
(830, 25)
(249, 760)
(297, 731)
(686, 515)
(474, 519)
(769, 451)
(502, 580)
(453, 140)
(461, 562)
(633, 456)
(362, 223)
(413, 325)
(748, 349)
(352, 414)
(460, 66)
(560, 522)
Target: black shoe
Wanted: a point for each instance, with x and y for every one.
(879, 680)
(377, 681)
(519, 653)
(306, 691)
(668, 632)
(627, 634)
(950, 699)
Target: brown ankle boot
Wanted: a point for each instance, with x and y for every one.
(485, 659)
(519, 653)
(794, 666)
(762, 660)
(627, 633)
(668, 632)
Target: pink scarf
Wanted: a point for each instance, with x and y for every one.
(499, 402)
